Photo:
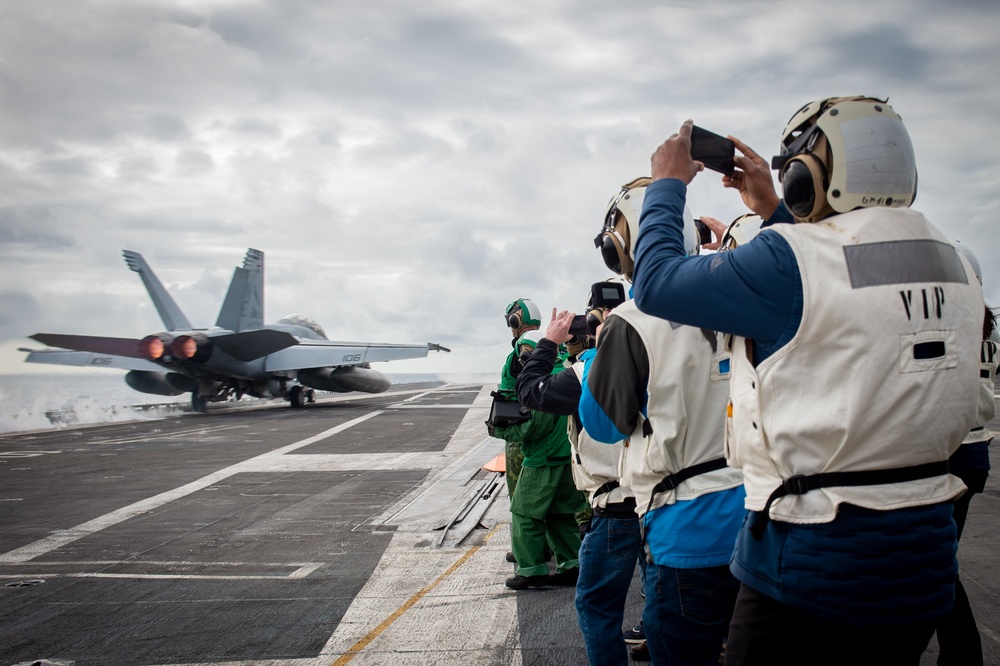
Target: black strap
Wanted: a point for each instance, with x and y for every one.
(675, 479)
(624, 510)
(800, 484)
(606, 488)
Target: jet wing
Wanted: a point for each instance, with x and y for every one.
(91, 343)
(323, 354)
(245, 346)
(84, 359)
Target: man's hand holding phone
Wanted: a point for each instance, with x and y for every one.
(754, 181)
(673, 157)
(558, 329)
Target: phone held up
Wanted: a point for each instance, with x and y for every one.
(579, 326)
(704, 233)
(714, 151)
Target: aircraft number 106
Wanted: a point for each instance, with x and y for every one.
(352, 357)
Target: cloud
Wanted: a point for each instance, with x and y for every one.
(410, 168)
(194, 163)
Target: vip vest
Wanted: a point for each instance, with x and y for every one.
(595, 464)
(882, 373)
(687, 393)
(986, 405)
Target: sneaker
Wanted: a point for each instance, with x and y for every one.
(525, 582)
(639, 652)
(635, 635)
(567, 578)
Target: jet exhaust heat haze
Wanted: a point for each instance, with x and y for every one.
(239, 356)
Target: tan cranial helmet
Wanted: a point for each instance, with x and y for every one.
(618, 236)
(966, 251)
(741, 231)
(843, 153)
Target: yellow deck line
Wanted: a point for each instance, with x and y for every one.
(356, 649)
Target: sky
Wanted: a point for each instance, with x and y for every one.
(409, 168)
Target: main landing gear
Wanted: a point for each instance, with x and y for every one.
(198, 402)
(299, 396)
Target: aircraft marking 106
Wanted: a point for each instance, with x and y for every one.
(240, 355)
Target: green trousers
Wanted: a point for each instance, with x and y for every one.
(542, 510)
(514, 460)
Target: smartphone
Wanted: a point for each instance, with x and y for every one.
(607, 295)
(714, 151)
(579, 326)
(704, 233)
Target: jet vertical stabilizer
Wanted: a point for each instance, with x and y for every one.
(171, 315)
(244, 305)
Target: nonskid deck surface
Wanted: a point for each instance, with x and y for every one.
(301, 537)
(271, 536)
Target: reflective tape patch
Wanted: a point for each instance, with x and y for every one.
(878, 156)
(903, 262)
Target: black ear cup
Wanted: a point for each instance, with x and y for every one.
(593, 321)
(803, 182)
(613, 242)
(615, 256)
(513, 321)
(610, 253)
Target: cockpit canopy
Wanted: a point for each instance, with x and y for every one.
(305, 322)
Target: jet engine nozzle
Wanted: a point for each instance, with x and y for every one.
(195, 348)
(154, 347)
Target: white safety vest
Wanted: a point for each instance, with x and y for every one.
(986, 405)
(595, 463)
(688, 390)
(882, 373)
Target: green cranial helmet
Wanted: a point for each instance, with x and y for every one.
(523, 312)
(529, 339)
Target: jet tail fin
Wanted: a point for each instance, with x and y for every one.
(171, 315)
(244, 305)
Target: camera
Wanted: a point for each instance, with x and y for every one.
(607, 295)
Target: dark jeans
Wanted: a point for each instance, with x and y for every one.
(957, 633)
(608, 556)
(687, 612)
(765, 632)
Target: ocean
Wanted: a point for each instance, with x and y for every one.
(53, 401)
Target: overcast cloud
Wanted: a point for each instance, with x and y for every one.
(410, 168)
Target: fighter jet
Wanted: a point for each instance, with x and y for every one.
(239, 356)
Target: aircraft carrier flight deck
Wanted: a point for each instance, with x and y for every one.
(358, 530)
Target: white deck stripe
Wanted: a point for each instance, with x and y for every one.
(139, 576)
(56, 541)
(402, 406)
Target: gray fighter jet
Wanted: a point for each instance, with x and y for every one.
(239, 356)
